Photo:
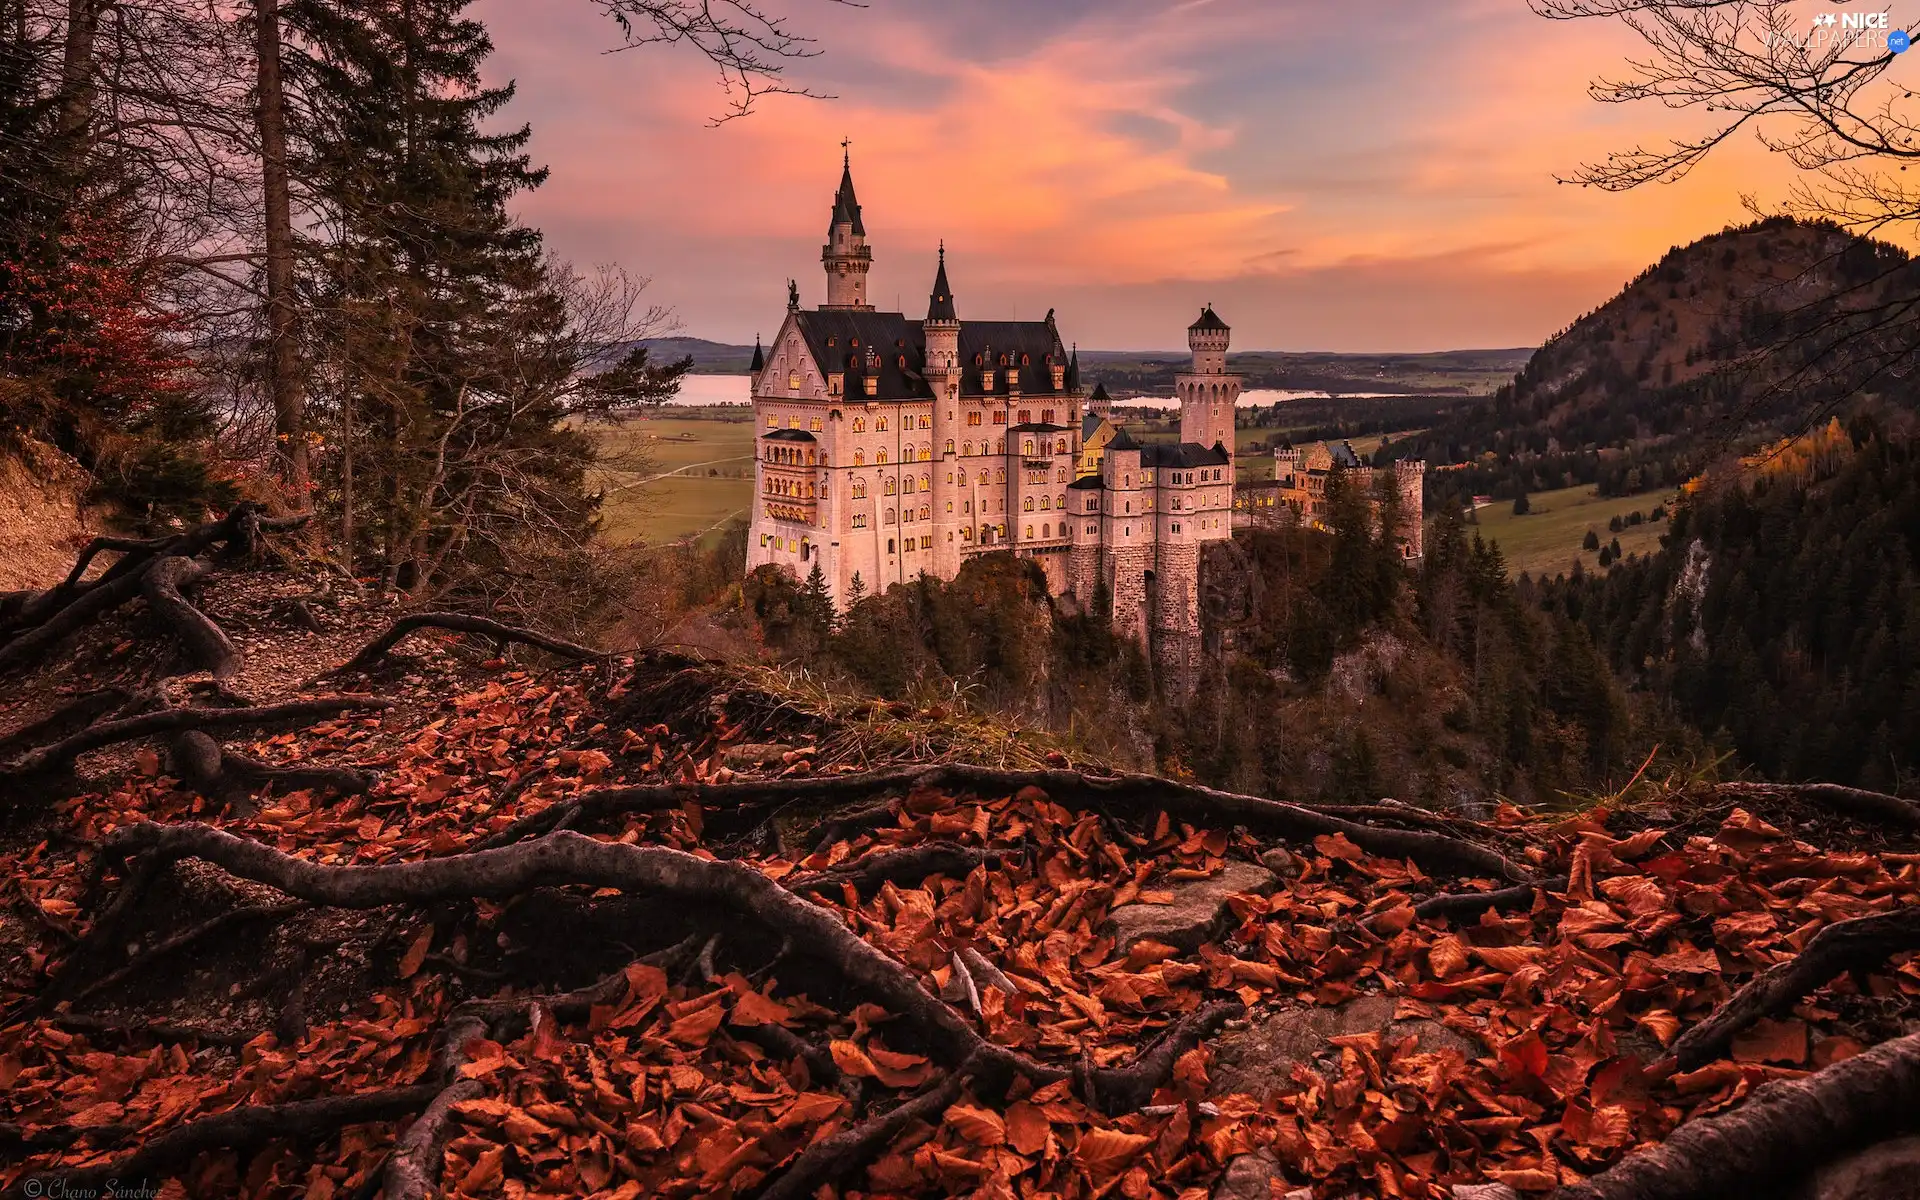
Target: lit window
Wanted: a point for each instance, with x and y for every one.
(880, 425)
(859, 458)
(859, 424)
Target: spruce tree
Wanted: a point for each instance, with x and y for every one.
(443, 321)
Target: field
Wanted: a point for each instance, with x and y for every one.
(672, 477)
(1547, 540)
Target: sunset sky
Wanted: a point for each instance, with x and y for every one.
(1334, 176)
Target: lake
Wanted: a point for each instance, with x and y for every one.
(702, 390)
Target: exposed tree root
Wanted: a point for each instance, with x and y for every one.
(1873, 806)
(60, 755)
(1459, 906)
(1780, 1133)
(1860, 944)
(187, 938)
(413, 1170)
(910, 865)
(35, 643)
(82, 712)
(379, 647)
(206, 644)
(166, 1031)
(232, 778)
(826, 1162)
(239, 1129)
(570, 858)
(1141, 793)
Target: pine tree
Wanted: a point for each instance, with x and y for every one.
(856, 590)
(816, 603)
(444, 327)
(1591, 542)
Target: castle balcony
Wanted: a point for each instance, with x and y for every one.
(790, 509)
(1037, 464)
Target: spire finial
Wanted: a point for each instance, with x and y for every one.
(943, 250)
(846, 152)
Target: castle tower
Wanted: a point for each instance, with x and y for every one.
(846, 256)
(1208, 393)
(1410, 476)
(942, 333)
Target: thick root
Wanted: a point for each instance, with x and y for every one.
(379, 647)
(60, 755)
(1857, 945)
(206, 644)
(1783, 1131)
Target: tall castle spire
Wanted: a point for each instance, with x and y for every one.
(846, 256)
(940, 302)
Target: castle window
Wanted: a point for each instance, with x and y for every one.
(880, 425)
(891, 516)
(963, 474)
(1026, 447)
(1000, 475)
(881, 458)
(889, 545)
(1176, 527)
(1060, 447)
(1046, 416)
(1026, 416)
(925, 482)
(873, 385)
(926, 420)
(859, 458)
(1063, 499)
(860, 521)
(926, 541)
(773, 422)
(859, 489)
(1046, 503)
(1027, 506)
(1046, 531)
(986, 381)
(890, 487)
(903, 362)
(906, 485)
(1000, 418)
(949, 445)
(973, 418)
(1093, 529)
(859, 424)
(793, 381)
(1029, 531)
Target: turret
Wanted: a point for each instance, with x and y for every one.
(941, 331)
(759, 360)
(846, 256)
(1410, 476)
(1208, 393)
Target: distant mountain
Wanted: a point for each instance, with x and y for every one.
(1452, 372)
(1739, 337)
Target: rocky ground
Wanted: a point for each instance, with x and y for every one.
(475, 918)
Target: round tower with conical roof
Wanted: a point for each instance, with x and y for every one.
(941, 331)
(846, 255)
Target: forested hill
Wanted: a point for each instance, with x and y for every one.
(1731, 340)
(1783, 613)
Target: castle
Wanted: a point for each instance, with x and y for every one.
(1297, 493)
(889, 448)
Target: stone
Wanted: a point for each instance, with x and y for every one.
(755, 754)
(1197, 910)
(1249, 1177)
(1281, 862)
(1260, 1058)
(1888, 1171)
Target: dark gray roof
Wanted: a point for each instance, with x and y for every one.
(839, 340)
(1210, 322)
(1040, 427)
(846, 206)
(1343, 455)
(790, 435)
(1184, 455)
(1090, 425)
(1122, 440)
(984, 344)
(940, 304)
(1100, 394)
(759, 356)
(1087, 483)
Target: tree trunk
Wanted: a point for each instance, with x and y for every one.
(283, 359)
(77, 69)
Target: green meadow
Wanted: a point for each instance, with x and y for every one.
(675, 476)
(1547, 540)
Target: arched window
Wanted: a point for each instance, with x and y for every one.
(859, 458)
(1027, 505)
(890, 516)
(881, 458)
(999, 445)
(1063, 499)
(1026, 447)
(1046, 503)
(860, 521)
(889, 545)
(963, 478)
(925, 482)
(880, 425)
(906, 485)
(1000, 475)
(926, 512)
(890, 487)
(968, 450)
(859, 424)
(859, 489)
(1029, 531)
(926, 420)
(1061, 448)
(1046, 531)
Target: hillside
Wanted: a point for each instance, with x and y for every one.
(1740, 336)
(410, 920)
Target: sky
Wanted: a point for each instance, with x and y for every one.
(1348, 175)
